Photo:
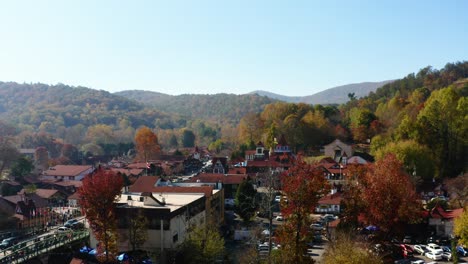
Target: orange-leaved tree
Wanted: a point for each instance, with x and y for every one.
(303, 184)
(146, 143)
(97, 196)
(389, 196)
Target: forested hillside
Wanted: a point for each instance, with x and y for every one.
(421, 117)
(222, 108)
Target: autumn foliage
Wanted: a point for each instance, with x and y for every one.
(146, 143)
(97, 196)
(303, 184)
(387, 193)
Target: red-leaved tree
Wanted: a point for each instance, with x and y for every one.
(390, 197)
(303, 184)
(97, 196)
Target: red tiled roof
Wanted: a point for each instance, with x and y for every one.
(144, 184)
(439, 212)
(237, 171)
(67, 170)
(331, 199)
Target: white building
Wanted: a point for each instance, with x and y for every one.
(169, 216)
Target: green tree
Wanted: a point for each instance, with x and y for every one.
(443, 126)
(22, 167)
(416, 158)
(138, 230)
(188, 138)
(245, 200)
(8, 154)
(216, 146)
(203, 245)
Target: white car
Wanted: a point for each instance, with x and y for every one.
(277, 198)
(433, 255)
(63, 229)
(317, 227)
(279, 218)
(434, 248)
(420, 249)
(447, 256)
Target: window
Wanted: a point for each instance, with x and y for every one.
(72, 178)
(142, 199)
(175, 238)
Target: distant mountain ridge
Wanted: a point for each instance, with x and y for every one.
(335, 95)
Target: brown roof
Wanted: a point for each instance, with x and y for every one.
(77, 184)
(331, 199)
(128, 171)
(237, 171)
(144, 184)
(67, 170)
(215, 178)
(74, 196)
(43, 193)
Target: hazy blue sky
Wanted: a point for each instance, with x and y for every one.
(292, 48)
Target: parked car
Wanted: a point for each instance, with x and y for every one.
(406, 250)
(462, 251)
(420, 249)
(63, 229)
(447, 255)
(433, 255)
(278, 198)
(77, 226)
(316, 227)
(434, 248)
(419, 261)
(279, 218)
(407, 240)
(8, 242)
(70, 222)
(328, 217)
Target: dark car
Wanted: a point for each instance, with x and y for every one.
(77, 226)
(69, 223)
(407, 240)
(8, 242)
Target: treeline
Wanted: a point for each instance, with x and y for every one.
(222, 108)
(421, 118)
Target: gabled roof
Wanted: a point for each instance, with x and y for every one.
(67, 170)
(43, 193)
(144, 184)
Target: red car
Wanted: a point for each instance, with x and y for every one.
(406, 250)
